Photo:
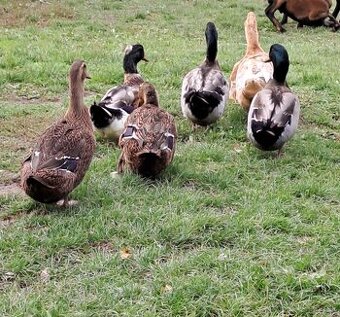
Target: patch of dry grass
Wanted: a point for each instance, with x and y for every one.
(40, 13)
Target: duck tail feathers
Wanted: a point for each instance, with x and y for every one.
(149, 163)
(149, 153)
(102, 116)
(265, 134)
(37, 181)
(201, 103)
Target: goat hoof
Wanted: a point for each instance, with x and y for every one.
(282, 30)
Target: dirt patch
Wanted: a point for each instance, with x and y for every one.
(11, 190)
(103, 246)
(7, 177)
(25, 93)
(40, 13)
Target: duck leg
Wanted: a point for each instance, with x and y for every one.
(120, 166)
(279, 153)
(66, 202)
(194, 127)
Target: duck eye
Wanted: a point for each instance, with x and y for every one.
(84, 65)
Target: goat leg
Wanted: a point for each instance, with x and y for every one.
(269, 11)
(284, 19)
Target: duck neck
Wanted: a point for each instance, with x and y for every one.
(152, 100)
(280, 72)
(130, 65)
(252, 38)
(211, 38)
(76, 106)
(76, 95)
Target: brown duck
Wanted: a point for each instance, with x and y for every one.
(63, 153)
(149, 139)
(252, 72)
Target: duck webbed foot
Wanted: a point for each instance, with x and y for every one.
(279, 153)
(66, 202)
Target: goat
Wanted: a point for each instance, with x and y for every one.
(305, 12)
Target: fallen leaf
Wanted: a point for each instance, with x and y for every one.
(167, 289)
(125, 253)
(7, 277)
(237, 148)
(44, 275)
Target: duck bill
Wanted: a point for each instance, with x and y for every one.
(145, 59)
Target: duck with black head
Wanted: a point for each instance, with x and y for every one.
(63, 153)
(205, 90)
(110, 114)
(274, 112)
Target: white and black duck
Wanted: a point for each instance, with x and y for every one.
(205, 90)
(110, 114)
(274, 112)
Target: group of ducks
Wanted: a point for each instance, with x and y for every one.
(130, 115)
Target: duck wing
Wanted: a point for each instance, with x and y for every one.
(152, 128)
(205, 78)
(62, 147)
(119, 96)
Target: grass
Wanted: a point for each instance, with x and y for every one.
(226, 231)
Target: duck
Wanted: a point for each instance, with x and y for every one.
(109, 115)
(62, 154)
(274, 111)
(251, 73)
(205, 90)
(149, 139)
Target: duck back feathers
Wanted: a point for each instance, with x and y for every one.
(205, 89)
(63, 153)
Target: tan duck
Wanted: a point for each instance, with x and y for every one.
(274, 111)
(251, 73)
(62, 154)
(110, 114)
(205, 90)
(149, 139)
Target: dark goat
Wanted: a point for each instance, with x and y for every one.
(305, 12)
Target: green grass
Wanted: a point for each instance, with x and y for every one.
(226, 231)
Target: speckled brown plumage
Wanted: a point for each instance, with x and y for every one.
(62, 154)
(149, 139)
